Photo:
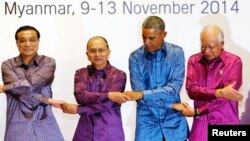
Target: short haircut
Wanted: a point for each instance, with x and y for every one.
(154, 22)
(95, 37)
(212, 29)
(27, 27)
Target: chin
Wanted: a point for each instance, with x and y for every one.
(210, 59)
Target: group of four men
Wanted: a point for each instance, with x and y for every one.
(157, 71)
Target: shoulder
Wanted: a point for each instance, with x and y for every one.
(195, 57)
(45, 59)
(173, 49)
(11, 61)
(228, 56)
(137, 52)
(81, 74)
(117, 72)
(81, 70)
(231, 55)
(173, 46)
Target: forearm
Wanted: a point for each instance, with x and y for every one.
(29, 98)
(134, 95)
(170, 95)
(185, 109)
(89, 98)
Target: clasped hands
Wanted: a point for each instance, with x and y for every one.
(228, 92)
(64, 105)
(118, 97)
(184, 108)
(122, 97)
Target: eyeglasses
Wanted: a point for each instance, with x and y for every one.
(209, 46)
(30, 40)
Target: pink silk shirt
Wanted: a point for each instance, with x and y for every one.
(203, 79)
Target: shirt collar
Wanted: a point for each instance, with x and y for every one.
(220, 58)
(153, 55)
(92, 70)
(19, 61)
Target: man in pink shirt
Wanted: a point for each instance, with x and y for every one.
(214, 77)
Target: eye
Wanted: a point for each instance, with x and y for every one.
(22, 41)
(30, 40)
(151, 38)
(33, 40)
(210, 47)
(92, 50)
(101, 50)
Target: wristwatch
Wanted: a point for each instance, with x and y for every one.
(196, 112)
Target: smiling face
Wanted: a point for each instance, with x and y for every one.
(153, 39)
(98, 52)
(27, 43)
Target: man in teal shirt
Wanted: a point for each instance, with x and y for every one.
(157, 71)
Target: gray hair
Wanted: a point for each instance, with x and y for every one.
(212, 30)
(154, 22)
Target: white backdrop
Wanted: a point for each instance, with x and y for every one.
(64, 35)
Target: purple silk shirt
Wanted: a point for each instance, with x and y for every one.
(203, 79)
(100, 118)
(27, 88)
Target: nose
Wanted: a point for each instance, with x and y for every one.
(205, 49)
(27, 43)
(146, 41)
(97, 53)
(208, 49)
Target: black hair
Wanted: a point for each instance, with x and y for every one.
(27, 27)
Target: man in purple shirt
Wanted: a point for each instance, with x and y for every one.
(214, 77)
(27, 84)
(98, 91)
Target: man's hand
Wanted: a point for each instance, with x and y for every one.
(188, 111)
(56, 103)
(229, 93)
(184, 108)
(118, 97)
(134, 95)
(178, 106)
(1, 88)
(69, 108)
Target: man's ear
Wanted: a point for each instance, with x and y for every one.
(164, 34)
(87, 55)
(222, 45)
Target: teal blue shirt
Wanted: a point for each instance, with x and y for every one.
(159, 75)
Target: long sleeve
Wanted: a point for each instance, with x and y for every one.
(194, 89)
(97, 101)
(29, 86)
(226, 72)
(163, 80)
